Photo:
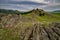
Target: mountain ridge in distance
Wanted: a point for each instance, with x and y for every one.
(56, 11)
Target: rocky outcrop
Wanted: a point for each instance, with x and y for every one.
(38, 32)
(12, 22)
(39, 12)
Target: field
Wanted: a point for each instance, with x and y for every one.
(29, 25)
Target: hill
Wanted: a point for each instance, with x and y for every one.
(35, 24)
(35, 15)
(57, 11)
(6, 11)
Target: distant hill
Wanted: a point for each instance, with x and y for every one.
(9, 11)
(56, 11)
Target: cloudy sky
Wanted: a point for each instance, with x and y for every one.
(25, 5)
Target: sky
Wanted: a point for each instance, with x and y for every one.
(26, 5)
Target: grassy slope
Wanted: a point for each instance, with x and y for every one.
(56, 14)
(14, 33)
(46, 19)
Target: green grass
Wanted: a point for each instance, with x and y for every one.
(45, 19)
(8, 34)
(56, 14)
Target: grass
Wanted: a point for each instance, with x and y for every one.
(8, 34)
(45, 19)
(56, 14)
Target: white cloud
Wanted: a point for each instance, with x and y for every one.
(40, 1)
(51, 5)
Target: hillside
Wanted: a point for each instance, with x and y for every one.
(35, 24)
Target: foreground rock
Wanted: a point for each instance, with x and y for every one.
(38, 32)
